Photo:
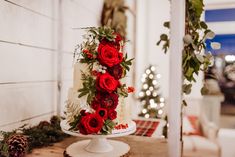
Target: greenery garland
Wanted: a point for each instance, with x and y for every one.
(13, 144)
(196, 33)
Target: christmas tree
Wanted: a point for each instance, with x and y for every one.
(149, 97)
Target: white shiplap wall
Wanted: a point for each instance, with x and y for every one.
(33, 36)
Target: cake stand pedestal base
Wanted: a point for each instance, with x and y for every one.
(97, 147)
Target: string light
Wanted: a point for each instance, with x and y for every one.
(146, 116)
(151, 101)
(143, 102)
(151, 76)
(144, 75)
(162, 104)
(160, 111)
(148, 71)
(162, 99)
(152, 68)
(159, 76)
(153, 105)
(141, 94)
(148, 93)
(151, 88)
(144, 111)
(154, 82)
(154, 94)
(145, 86)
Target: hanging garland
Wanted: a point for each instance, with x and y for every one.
(24, 139)
(196, 33)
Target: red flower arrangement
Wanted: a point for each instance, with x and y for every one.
(107, 65)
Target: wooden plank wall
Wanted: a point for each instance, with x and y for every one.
(31, 32)
(37, 40)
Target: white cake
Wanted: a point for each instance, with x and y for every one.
(75, 104)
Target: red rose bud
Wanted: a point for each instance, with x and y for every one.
(106, 83)
(130, 89)
(103, 113)
(95, 73)
(112, 114)
(85, 51)
(116, 71)
(120, 57)
(90, 124)
(118, 37)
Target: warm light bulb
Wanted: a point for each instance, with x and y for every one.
(162, 99)
(143, 80)
(148, 71)
(151, 101)
(151, 76)
(144, 111)
(154, 82)
(153, 105)
(158, 76)
(148, 93)
(153, 68)
(151, 88)
(144, 75)
(141, 94)
(146, 116)
(145, 86)
(154, 94)
(143, 102)
(160, 111)
(162, 104)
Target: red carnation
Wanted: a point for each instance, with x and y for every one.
(109, 101)
(95, 104)
(106, 83)
(102, 112)
(112, 114)
(116, 71)
(91, 123)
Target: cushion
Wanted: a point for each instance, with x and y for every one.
(191, 125)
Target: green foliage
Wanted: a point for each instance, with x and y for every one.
(89, 87)
(194, 43)
(108, 127)
(44, 134)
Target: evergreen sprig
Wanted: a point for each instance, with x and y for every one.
(194, 60)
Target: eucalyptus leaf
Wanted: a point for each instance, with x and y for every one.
(210, 35)
(215, 45)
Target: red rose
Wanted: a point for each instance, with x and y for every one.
(106, 83)
(116, 71)
(112, 114)
(102, 112)
(91, 123)
(108, 55)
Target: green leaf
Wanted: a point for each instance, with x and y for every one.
(187, 88)
(166, 24)
(203, 25)
(197, 6)
(204, 90)
(164, 37)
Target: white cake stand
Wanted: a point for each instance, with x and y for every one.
(98, 146)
